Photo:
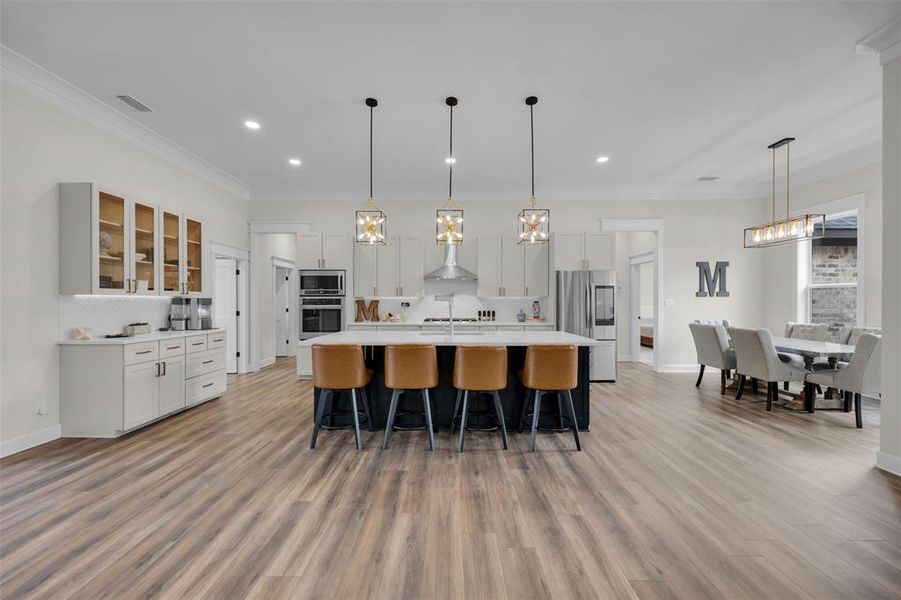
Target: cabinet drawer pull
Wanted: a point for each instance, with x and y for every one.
(207, 362)
(206, 385)
(144, 352)
(172, 347)
(197, 343)
(219, 340)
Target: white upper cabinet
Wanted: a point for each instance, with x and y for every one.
(111, 244)
(600, 251)
(582, 251)
(537, 270)
(393, 269)
(507, 268)
(323, 251)
(410, 267)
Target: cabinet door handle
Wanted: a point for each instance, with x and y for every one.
(143, 352)
(157, 369)
(135, 287)
(164, 368)
(128, 286)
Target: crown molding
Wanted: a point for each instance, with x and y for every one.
(885, 42)
(45, 84)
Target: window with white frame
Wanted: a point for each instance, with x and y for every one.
(832, 272)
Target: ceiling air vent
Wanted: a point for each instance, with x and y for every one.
(707, 178)
(134, 104)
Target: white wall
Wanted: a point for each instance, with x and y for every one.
(42, 145)
(265, 246)
(694, 230)
(780, 261)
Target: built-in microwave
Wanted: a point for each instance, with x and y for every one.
(322, 283)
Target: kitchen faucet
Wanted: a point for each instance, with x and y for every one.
(449, 298)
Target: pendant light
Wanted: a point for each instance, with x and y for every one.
(534, 222)
(449, 219)
(370, 221)
(789, 229)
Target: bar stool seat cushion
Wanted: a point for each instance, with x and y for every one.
(339, 367)
(551, 368)
(411, 367)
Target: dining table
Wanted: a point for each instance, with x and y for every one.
(810, 350)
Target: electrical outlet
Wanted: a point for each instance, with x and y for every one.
(669, 302)
(405, 305)
(41, 408)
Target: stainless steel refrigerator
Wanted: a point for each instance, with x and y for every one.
(585, 306)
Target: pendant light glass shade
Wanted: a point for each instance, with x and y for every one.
(789, 229)
(449, 219)
(370, 222)
(534, 223)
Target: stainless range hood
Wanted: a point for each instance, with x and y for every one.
(450, 270)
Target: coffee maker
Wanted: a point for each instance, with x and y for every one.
(179, 311)
(200, 313)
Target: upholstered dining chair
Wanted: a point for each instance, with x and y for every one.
(755, 355)
(853, 334)
(714, 350)
(863, 375)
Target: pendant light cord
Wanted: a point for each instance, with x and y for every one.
(532, 136)
(450, 169)
(370, 150)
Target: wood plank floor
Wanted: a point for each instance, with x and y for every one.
(679, 493)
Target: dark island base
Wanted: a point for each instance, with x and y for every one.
(444, 396)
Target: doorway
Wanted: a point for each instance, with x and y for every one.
(642, 311)
(231, 267)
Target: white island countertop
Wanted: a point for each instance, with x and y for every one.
(481, 338)
(143, 337)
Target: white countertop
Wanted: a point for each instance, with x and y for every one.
(465, 323)
(136, 339)
(484, 338)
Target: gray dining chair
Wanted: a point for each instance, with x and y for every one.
(863, 375)
(853, 334)
(756, 357)
(714, 350)
(815, 332)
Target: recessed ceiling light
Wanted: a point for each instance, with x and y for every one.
(294, 162)
(708, 178)
(603, 159)
(251, 125)
(450, 160)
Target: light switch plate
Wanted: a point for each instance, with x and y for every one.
(670, 302)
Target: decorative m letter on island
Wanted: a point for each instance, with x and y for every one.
(712, 284)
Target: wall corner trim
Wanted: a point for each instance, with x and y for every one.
(45, 84)
(30, 440)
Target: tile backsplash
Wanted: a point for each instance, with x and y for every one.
(110, 314)
(464, 306)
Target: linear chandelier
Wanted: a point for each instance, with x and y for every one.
(449, 219)
(370, 222)
(534, 222)
(789, 229)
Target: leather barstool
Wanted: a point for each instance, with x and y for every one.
(340, 368)
(552, 369)
(480, 369)
(410, 367)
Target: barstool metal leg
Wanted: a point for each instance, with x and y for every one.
(560, 411)
(523, 411)
(456, 408)
(392, 410)
(499, 411)
(353, 403)
(572, 413)
(368, 407)
(428, 417)
(463, 418)
(536, 408)
(320, 410)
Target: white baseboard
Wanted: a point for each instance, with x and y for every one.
(265, 362)
(680, 369)
(30, 440)
(624, 358)
(889, 463)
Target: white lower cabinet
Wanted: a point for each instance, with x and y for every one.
(140, 396)
(108, 389)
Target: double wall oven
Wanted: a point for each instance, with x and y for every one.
(321, 302)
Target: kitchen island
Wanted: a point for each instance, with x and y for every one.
(443, 396)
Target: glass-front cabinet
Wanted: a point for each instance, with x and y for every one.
(110, 243)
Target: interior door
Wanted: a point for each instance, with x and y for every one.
(172, 384)
(112, 275)
(225, 307)
(282, 309)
